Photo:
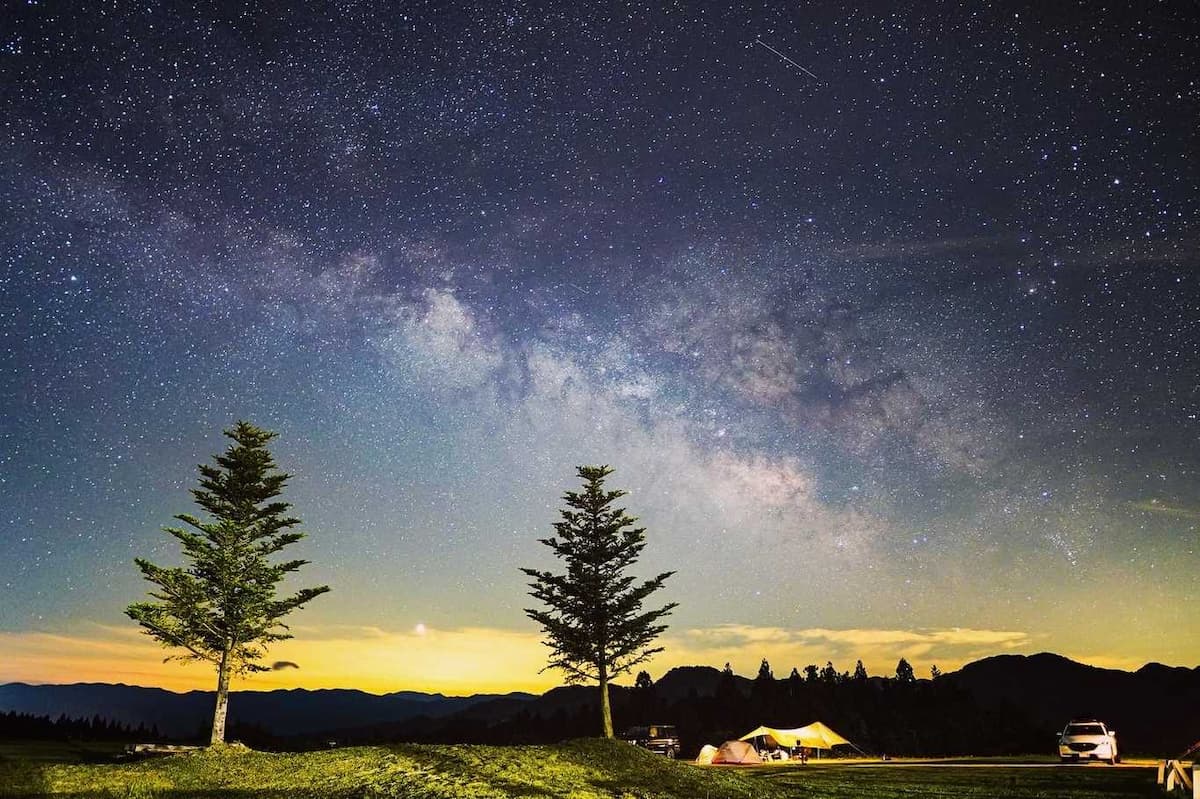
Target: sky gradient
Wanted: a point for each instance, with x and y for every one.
(896, 353)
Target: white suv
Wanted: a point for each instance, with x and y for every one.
(1088, 739)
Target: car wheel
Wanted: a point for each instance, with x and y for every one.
(670, 753)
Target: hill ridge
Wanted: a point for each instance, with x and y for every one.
(1005, 700)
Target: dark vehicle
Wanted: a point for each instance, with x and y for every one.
(660, 738)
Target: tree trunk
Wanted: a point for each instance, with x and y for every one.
(222, 708)
(605, 708)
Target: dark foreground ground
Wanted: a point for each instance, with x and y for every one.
(585, 769)
(963, 778)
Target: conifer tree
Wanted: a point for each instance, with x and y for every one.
(223, 607)
(763, 687)
(727, 688)
(594, 622)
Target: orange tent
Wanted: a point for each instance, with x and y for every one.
(736, 753)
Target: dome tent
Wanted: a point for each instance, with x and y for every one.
(736, 753)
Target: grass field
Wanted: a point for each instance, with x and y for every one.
(978, 779)
(586, 769)
(60, 751)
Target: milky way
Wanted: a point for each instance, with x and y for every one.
(904, 339)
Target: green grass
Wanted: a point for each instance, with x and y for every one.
(844, 781)
(586, 769)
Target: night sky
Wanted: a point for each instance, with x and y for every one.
(887, 319)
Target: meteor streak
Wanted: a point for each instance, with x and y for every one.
(807, 71)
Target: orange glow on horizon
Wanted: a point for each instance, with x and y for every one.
(486, 660)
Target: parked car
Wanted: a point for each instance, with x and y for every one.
(660, 738)
(1088, 739)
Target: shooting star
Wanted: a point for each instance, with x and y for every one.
(1154, 506)
(806, 70)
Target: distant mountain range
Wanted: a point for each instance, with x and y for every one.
(283, 712)
(1153, 709)
(1006, 703)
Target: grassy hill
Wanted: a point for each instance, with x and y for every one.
(583, 769)
(578, 769)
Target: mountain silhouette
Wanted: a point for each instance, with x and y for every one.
(296, 711)
(1006, 704)
(1152, 709)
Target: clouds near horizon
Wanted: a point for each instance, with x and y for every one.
(478, 659)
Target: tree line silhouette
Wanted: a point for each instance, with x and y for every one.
(897, 715)
(900, 715)
(27, 726)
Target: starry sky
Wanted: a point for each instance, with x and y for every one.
(887, 318)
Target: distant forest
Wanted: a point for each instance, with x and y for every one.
(26, 726)
(925, 717)
(879, 715)
(1003, 705)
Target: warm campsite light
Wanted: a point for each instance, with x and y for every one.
(813, 736)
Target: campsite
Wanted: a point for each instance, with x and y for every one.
(582, 769)
(477, 750)
(767, 744)
(762, 763)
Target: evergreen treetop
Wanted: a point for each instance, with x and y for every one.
(593, 618)
(223, 607)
